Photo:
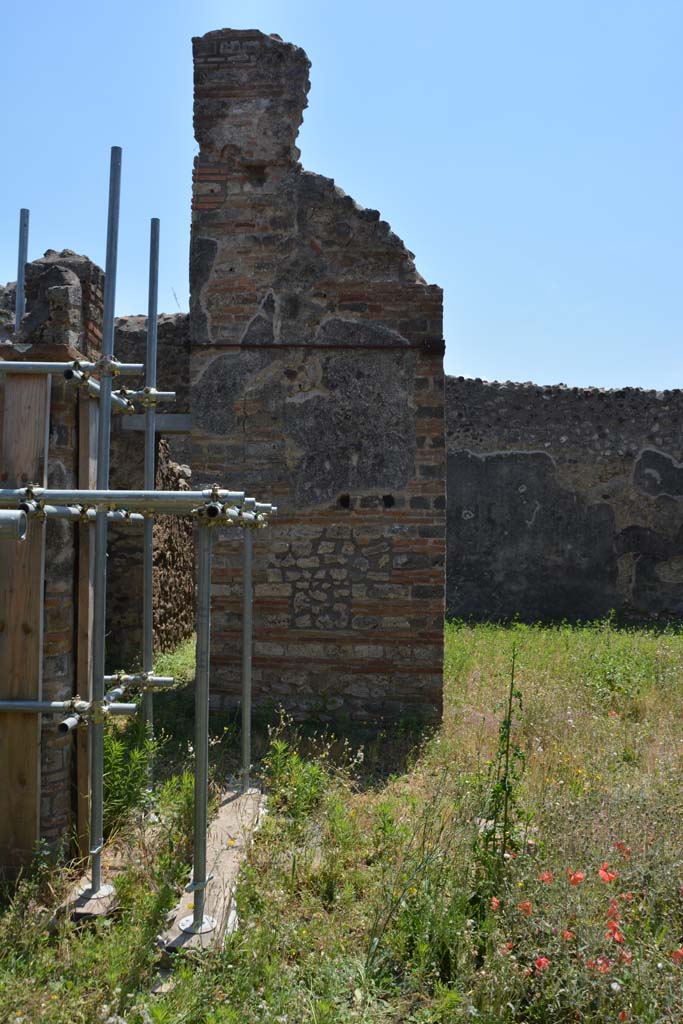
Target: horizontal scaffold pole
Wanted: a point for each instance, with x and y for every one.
(139, 501)
(75, 512)
(140, 679)
(147, 396)
(29, 366)
(60, 707)
(13, 524)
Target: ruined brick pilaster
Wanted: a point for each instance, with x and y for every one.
(317, 382)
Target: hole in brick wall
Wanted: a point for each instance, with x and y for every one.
(344, 501)
(256, 173)
(388, 500)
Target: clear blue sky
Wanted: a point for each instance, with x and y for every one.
(530, 153)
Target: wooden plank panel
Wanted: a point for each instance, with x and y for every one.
(87, 476)
(24, 446)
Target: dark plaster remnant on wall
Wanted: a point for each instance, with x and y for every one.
(657, 567)
(657, 474)
(357, 432)
(347, 423)
(520, 541)
(599, 523)
(202, 257)
(338, 331)
(260, 330)
(220, 388)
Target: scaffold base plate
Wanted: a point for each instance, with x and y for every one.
(186, 924)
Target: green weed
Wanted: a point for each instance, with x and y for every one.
(523, 868)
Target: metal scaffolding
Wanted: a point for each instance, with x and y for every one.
(211, 508)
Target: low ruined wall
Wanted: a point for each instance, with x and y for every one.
(563, 502)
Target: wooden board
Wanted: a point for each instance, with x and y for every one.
(87, 477)
(227, 841)
(22, 569)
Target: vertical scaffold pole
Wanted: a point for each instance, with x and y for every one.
(150, 448)
(20, 306)
(199, 922)
(247, 634)
(97, 890)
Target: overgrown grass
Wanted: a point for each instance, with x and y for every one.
(526, 868)
(178, 663)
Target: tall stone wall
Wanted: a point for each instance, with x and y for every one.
(563, 502)
(316, 382)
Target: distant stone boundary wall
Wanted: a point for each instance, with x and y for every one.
(563, 502)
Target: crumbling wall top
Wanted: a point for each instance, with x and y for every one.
(280, 255)
(250, 95)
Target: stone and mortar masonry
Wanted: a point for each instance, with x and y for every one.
(563, 502)
(173, 540)
(173, 597)
(316, 382)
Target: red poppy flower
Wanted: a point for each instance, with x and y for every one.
(541, 963)
(677, 956)
(605, 874)
(623, 1015)
(567, 935)
(506, 948)
(628, 896)
(623, 849)
(525, 908)
(546, 876)
(575, 877)
(603, 964)
(613, 932)
(495, 903)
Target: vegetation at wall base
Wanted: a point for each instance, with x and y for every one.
(525, 867)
